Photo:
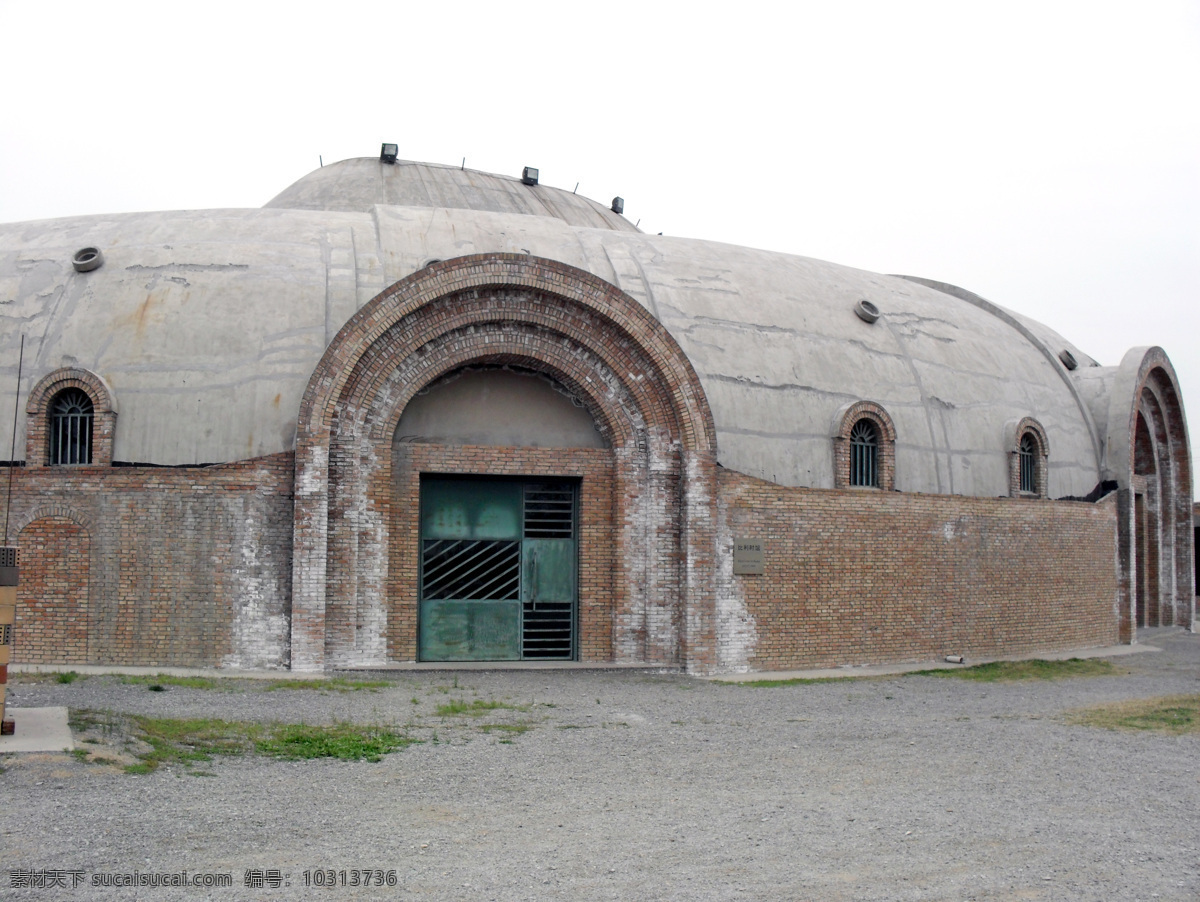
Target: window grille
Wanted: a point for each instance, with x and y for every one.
(71, 428)
(864, 454)
(1028, 456)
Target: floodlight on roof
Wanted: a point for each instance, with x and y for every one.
(529, 176)
(618, 205)
(387, 153)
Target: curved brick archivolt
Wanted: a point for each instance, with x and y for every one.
(1154, 517)
(355, 517)
(37, 412)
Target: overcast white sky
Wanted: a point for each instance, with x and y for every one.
(1045, 155)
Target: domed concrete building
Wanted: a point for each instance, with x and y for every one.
(408, 412)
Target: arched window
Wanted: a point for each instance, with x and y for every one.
(864, 454)
(1028, 450)
(864, 447)
(71, 414)
(1028, 454)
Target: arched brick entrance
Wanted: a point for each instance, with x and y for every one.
(647, 544)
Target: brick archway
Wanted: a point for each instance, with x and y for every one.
(1151, 461)
(503, 309)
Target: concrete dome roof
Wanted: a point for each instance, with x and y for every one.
(208, 324)
(357, 185)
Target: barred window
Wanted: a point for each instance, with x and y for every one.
(71, 415)
(1028, 454)
(864, 454)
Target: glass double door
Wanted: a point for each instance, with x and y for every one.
(498, 578)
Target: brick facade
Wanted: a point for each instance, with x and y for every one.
(154, 566)
(227, 566)
(864, 577)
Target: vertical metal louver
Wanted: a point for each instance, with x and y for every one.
(1028, 458)
(864, 454)
(71, 428)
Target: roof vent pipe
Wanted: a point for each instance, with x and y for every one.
(86, 259)
(618, 205)
(866, 311)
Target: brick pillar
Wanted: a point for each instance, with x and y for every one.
(308, 557)
(698, 540)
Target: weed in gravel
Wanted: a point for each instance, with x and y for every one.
(1036, 669)
(474, 708)
(69, 677)
(513, 728)
(794, 681)
(80, 755)
(187, 742)
(1175, 714)
(174, 741)
(337, 684)
(162, 680)
(345, 741)
(81, 720)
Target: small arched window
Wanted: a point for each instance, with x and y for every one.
(1028, 454)
(864, 447)
(71, 414)
(1028, 449)
(864, 454)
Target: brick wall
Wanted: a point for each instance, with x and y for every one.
(861, 576)
(165, 566)
(52, 598)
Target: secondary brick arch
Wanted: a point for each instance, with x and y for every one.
(501, 309)
(1150, 459)
(53, 597)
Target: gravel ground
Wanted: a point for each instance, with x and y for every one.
(638, 786)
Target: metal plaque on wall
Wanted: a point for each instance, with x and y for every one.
(748, 557)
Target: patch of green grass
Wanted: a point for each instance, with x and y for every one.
(191, 741)
(337, 684)
(474, 708)
(1036, 669)
(69, 677)
(794, 681)
(187, 741)
(512, 728)
(80, 720)
(162, 680)
(80, 754)
(1174, 714)
(345, 741)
